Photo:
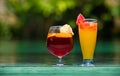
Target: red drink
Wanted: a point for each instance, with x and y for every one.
(59, 44)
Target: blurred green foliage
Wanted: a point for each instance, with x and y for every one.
(46, 7)
(114, 6)
(33, 17)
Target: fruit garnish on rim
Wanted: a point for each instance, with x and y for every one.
(85, 23)
(66, 29)
(80, 19)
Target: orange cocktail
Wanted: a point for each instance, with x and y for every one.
(87, 35)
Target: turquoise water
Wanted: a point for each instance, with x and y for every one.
(37, 52)
(40, 46)
(32, 58)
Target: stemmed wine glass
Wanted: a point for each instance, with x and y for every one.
(59, 43)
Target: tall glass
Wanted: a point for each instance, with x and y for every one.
(59, 44)
(87, 37)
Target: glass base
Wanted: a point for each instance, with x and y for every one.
(59, 64)
(87, 62)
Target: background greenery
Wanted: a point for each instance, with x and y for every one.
(31, 19)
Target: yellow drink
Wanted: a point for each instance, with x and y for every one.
(87, 36)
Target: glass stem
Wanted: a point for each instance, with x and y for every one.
(60, 62)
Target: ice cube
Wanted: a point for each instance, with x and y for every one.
(66, 29)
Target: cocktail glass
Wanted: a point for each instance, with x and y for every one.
(59, 43)
(87, 37)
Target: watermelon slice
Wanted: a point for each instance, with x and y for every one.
(80, 19)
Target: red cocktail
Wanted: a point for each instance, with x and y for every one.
(59, 43)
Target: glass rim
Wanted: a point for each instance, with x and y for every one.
(56, 26)
(90, 20)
